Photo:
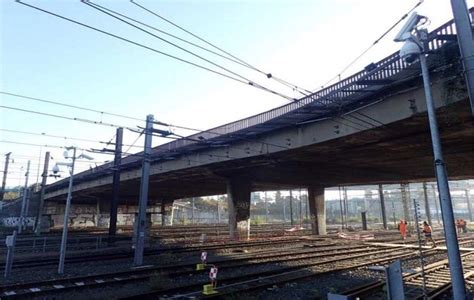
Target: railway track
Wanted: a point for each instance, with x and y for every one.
(438, 282)
(325, 255)
(261, 280)
(40, 262)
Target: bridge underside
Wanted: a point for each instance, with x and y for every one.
(398, 152)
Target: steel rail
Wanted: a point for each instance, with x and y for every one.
(42, 287)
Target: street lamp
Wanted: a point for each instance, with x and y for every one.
(413, 50)
(62, 254)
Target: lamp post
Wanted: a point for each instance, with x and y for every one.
(62, 254)
(412, 50)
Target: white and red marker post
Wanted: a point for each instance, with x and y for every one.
(213, 276)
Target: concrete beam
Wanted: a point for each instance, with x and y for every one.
(368, 152)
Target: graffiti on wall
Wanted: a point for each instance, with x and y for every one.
(14, 221)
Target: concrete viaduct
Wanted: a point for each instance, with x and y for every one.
(369, 128)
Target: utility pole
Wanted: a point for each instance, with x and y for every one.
(427, 204)
(38, 170)
(346, 203)
(23, 201)
(466, 44)
(29, 191)
(218, 212)
(140, 232)
(115, 185)
(301, 208)
(341, 207)
(291, 208)
(266, 208)
(382, 207)
(5, 172)
(192, 210)
(405, 201)
(41, 199)
(433, 190)
(469, 207)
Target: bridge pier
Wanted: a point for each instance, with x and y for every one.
(317, 209)
(103, 213)
(238, 200)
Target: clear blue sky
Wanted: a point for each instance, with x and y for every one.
(304, 42)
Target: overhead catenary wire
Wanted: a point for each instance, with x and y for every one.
(348, 120)
(199, 47)
(61, 16)
(124, 116)
(64, 137)
(168, 34)
(372, 45)
(64, 117)
(26, 158)
(251, 83)
(268, 75)
(69, 105)
(38, 145)
(50, 146)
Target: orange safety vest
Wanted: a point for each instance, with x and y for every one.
(403, 227)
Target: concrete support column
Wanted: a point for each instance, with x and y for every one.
(103, 217)
(238, 200)
(163, 213)
(317, 209)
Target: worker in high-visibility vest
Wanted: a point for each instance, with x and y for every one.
(458, 226)
(402, 227)
(428, 233)
(463, 225)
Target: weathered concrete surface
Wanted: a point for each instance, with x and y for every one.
(317, 210)
(238, 202)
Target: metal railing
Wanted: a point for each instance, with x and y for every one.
(383, 70)
(347, 91)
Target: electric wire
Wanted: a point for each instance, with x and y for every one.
(251, 83)
(69, 105)
(268, 75)
(64, 137)
(109, 12)
(91, 4)
(129, 117)
(64, 117)
(134, 142)
(38, 145)
(348, 120)
(168, 34)
(134, 118)
(373, 44)
(53, 146)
